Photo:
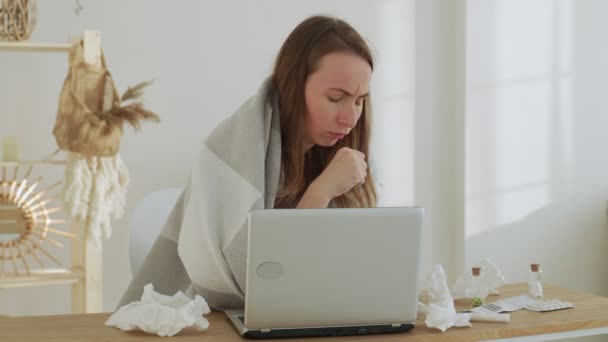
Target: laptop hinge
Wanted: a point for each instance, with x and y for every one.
(265, 331)
(395, 325)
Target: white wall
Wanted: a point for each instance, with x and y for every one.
(206, 57)
(536, 131)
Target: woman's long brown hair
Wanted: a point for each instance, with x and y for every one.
(298, 58)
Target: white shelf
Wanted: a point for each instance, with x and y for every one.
(33, 47)
(84, 277)
(7, 163)
(41, 277)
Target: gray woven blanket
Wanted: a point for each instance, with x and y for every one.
(202, 248)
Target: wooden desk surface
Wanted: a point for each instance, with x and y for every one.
(590, 312)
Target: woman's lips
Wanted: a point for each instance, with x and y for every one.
(336, 135)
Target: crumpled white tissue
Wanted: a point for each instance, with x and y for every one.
(492, 279)
(436, 304)
(162, 315)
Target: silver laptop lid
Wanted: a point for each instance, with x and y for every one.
(332, 267)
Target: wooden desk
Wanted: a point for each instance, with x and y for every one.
(591, 312)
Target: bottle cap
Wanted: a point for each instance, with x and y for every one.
(476, 270)
(535, 267)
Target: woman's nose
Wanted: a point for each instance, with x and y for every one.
(348, 117)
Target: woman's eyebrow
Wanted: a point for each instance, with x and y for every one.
(347, 93)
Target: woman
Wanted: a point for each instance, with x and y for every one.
(322, 77)
(302, 141)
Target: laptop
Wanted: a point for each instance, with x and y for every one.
(330, 272)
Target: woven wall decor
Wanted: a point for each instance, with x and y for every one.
(17, 19)
(26, 225)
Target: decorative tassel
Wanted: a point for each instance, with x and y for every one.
(95, 192)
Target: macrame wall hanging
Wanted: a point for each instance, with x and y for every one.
(89, 127)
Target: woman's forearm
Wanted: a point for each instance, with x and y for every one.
(314, 198)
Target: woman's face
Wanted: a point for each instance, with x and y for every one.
(335, 94)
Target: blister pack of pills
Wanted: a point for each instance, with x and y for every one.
(548, 305)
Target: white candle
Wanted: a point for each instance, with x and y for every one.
(10, 148)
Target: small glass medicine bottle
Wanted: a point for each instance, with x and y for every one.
(478, 292)
(535, 286)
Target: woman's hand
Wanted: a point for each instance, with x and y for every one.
(346, 170)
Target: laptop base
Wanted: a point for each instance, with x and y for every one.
(237, 319)
(328, 331)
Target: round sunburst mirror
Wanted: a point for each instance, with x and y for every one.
(26, 223)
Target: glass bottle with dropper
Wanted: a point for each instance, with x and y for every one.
(535, 285)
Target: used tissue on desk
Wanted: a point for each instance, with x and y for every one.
(491, 280)
(436, 304)
(162, 315)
